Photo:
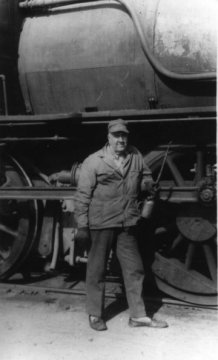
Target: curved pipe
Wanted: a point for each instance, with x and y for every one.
(56, 245)
(155, 63)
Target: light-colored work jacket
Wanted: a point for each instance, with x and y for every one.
(106, 196)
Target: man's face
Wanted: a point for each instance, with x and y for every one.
(118, 141)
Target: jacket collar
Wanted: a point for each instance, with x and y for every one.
(104, 154)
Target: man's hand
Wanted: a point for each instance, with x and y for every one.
(154, 190)
(68, 206)
(82, 234)
(147, 186)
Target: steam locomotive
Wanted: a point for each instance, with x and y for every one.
(67, 67)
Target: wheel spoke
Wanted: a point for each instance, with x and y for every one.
(210, 261)
(189, 256)
(177, 241)
(175, 172)
(8, 231)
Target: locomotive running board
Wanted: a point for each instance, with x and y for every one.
(37, 193)
(53, 193)
(131, 115)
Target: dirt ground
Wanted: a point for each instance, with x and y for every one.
(56, 328)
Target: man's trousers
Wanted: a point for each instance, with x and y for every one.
(124, 243)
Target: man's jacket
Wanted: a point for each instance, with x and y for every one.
(107, 197)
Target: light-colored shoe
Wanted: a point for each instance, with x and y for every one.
(146, 321)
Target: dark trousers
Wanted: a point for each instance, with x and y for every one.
(125, 244)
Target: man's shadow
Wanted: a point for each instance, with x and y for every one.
(120, 305)
(116, 307)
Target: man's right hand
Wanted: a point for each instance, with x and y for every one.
(82, 234)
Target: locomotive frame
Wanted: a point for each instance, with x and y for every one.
(38, 174)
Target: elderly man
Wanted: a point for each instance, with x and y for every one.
(107, 209)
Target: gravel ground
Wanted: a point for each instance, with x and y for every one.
(56, 328)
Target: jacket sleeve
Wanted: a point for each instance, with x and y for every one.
(147, 181)
(86, 185)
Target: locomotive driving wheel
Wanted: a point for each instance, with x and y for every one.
(185, 263)
(18, 219)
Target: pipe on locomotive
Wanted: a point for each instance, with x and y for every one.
(2, 77)
(156, 64)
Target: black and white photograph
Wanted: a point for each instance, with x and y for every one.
(108, 177)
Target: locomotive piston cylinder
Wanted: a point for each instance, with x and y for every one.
(67, 177)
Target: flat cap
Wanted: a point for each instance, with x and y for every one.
(117, 125)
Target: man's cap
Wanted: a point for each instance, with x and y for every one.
(117, 125)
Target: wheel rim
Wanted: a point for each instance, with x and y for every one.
(18, 220)
(185, 264)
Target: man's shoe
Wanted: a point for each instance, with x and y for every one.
(97, 323)
(147, 322)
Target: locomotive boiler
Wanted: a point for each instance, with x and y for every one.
(67, 67)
